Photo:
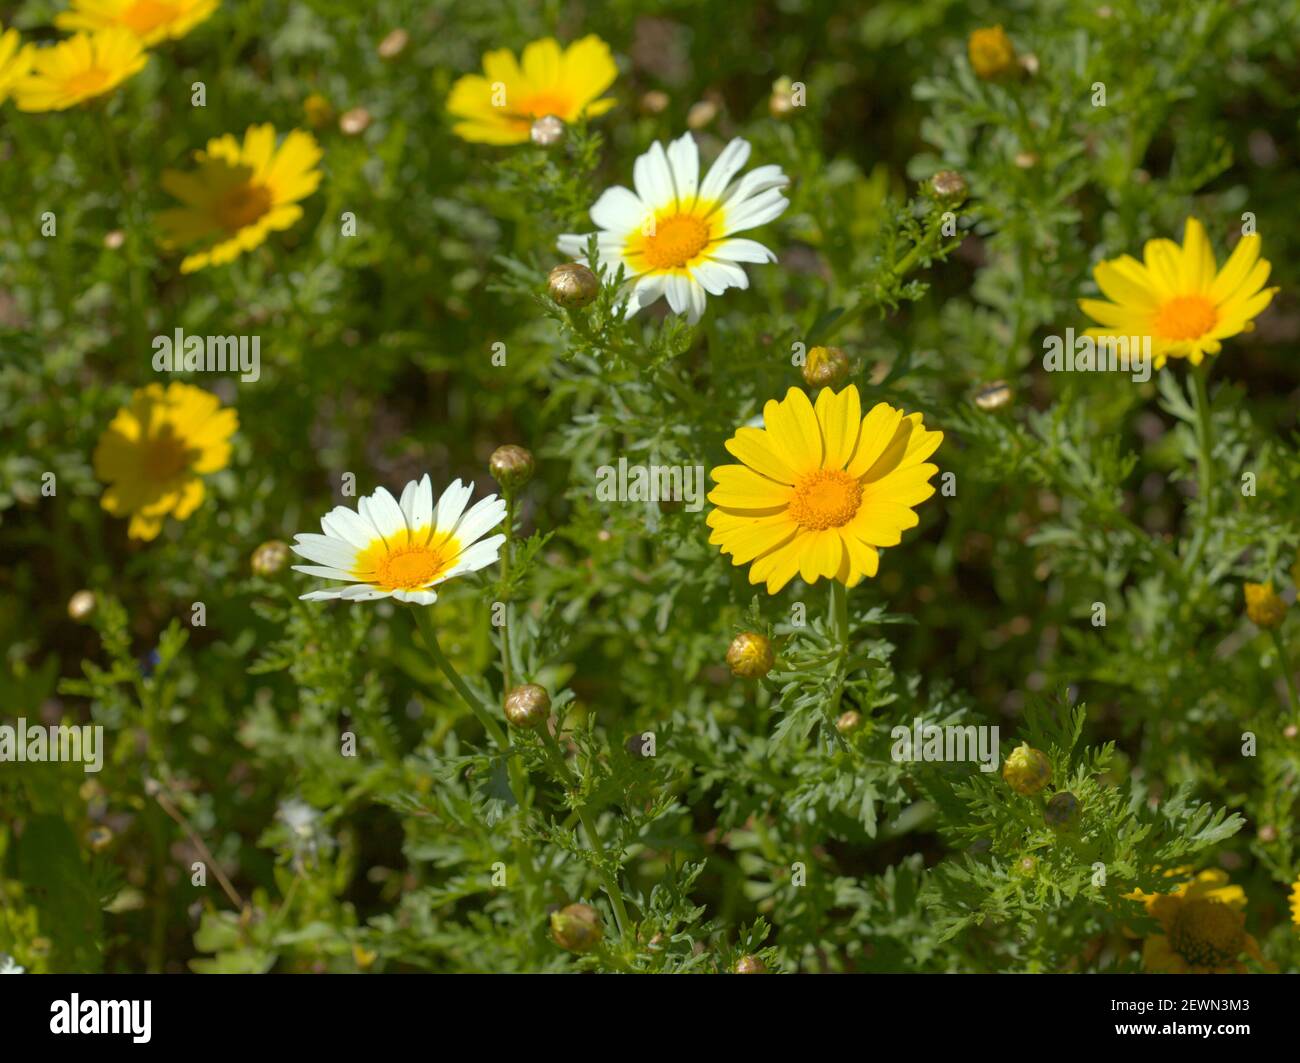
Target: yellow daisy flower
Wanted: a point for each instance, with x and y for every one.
(1178, 297)
(821, 488)
(81, 68)
(149, 20)
(239, 194)
(1204, 926)
(15, 60)
(500, 105)
(402, 549)
(154, 451)
(1295, 903)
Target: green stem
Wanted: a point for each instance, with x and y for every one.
(1288, 676)
(609, 881)
(1205, 461)
(135, 292)
(505, 594)
(840, 622)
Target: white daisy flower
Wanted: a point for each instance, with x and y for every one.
(391, 549)
(675, 235)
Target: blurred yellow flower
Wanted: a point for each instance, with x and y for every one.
(154, 451)
(78, 69)
(318, 111)
(1178, 297)
(992, 55)
(821, 488)
(149, 20)
(15, 59)
(500, 105)
(1264, 606)
(239, 194)
(1204, 926)
(1295, 903)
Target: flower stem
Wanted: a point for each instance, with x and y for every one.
(1288, 676)
(425, 623)
(135, 293)
(1205, 462)
(505, 595)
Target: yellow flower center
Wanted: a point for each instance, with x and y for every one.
(1207, 933)
(544, 103)
(827, 498)
(409, 567)
(146, 15)
(242, 206)
(1186, 317)
(165, 456)
(86, 82)
(676, 241)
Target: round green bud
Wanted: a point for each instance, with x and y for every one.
(576, 928)
(511, 466)
(750, 965)
(750, 655)
(1062, 811)
(1027, 770)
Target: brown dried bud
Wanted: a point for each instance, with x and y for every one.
(655, 102)
(270, 558)
(547, 131)
(993, 396)
(114, 239)
(354, 122)
(528, 706)
(511, 466)
(949, 187)
(826, 367)
(81, 605)
(576, 928)
(573, 285)
(1062, 811)
(750, 965)
(394, 44)
(750, 655)
(848, 722)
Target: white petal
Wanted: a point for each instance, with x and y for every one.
(485, 515)
(478, 556)
(654, 179)
(760, 210)
(386, 514)
(678, 292)
(757, 180)
(327, 573)
(574, 245)
(684, 157)
(741, 250)
(645, 291)
(618, 209)
(359, 592)
(717, 277)
(416, 597)
(324, 550)
(321, 596)
(695, 293)
(450, 507)
(420, 515)
(342, 523)
(724, 168)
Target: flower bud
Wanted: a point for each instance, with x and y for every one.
(528, 706)
(317, 110)
(655, 102)
(701, 114)
(355, 122)
(99, 838)
(81, 605)
(750, 965)
(848, 722)
(826, 367)
(270, 558)
(781, 102)
(1062, 811)
(750, 655)
(949, 187)
(1027, 770)
(993, 396)
(1025, 866)
(1026, 160)
(114, 239)
(1264, 606)
(511, 466)
(992, 55)
(547, 131)
(394, 44)
(573, 285)
(576, 928)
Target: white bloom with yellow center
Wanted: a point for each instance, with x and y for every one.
(402, 550)
(675, 236)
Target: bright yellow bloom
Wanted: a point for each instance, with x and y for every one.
(15, 60)
(991, 52)
(500, 105)
(821, 489)
(238, 195)
(1295, 903)
(1178, 297)
(1264, 606)
(78, 69)
(149, 20)
(1204, 926)
(155, 450)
